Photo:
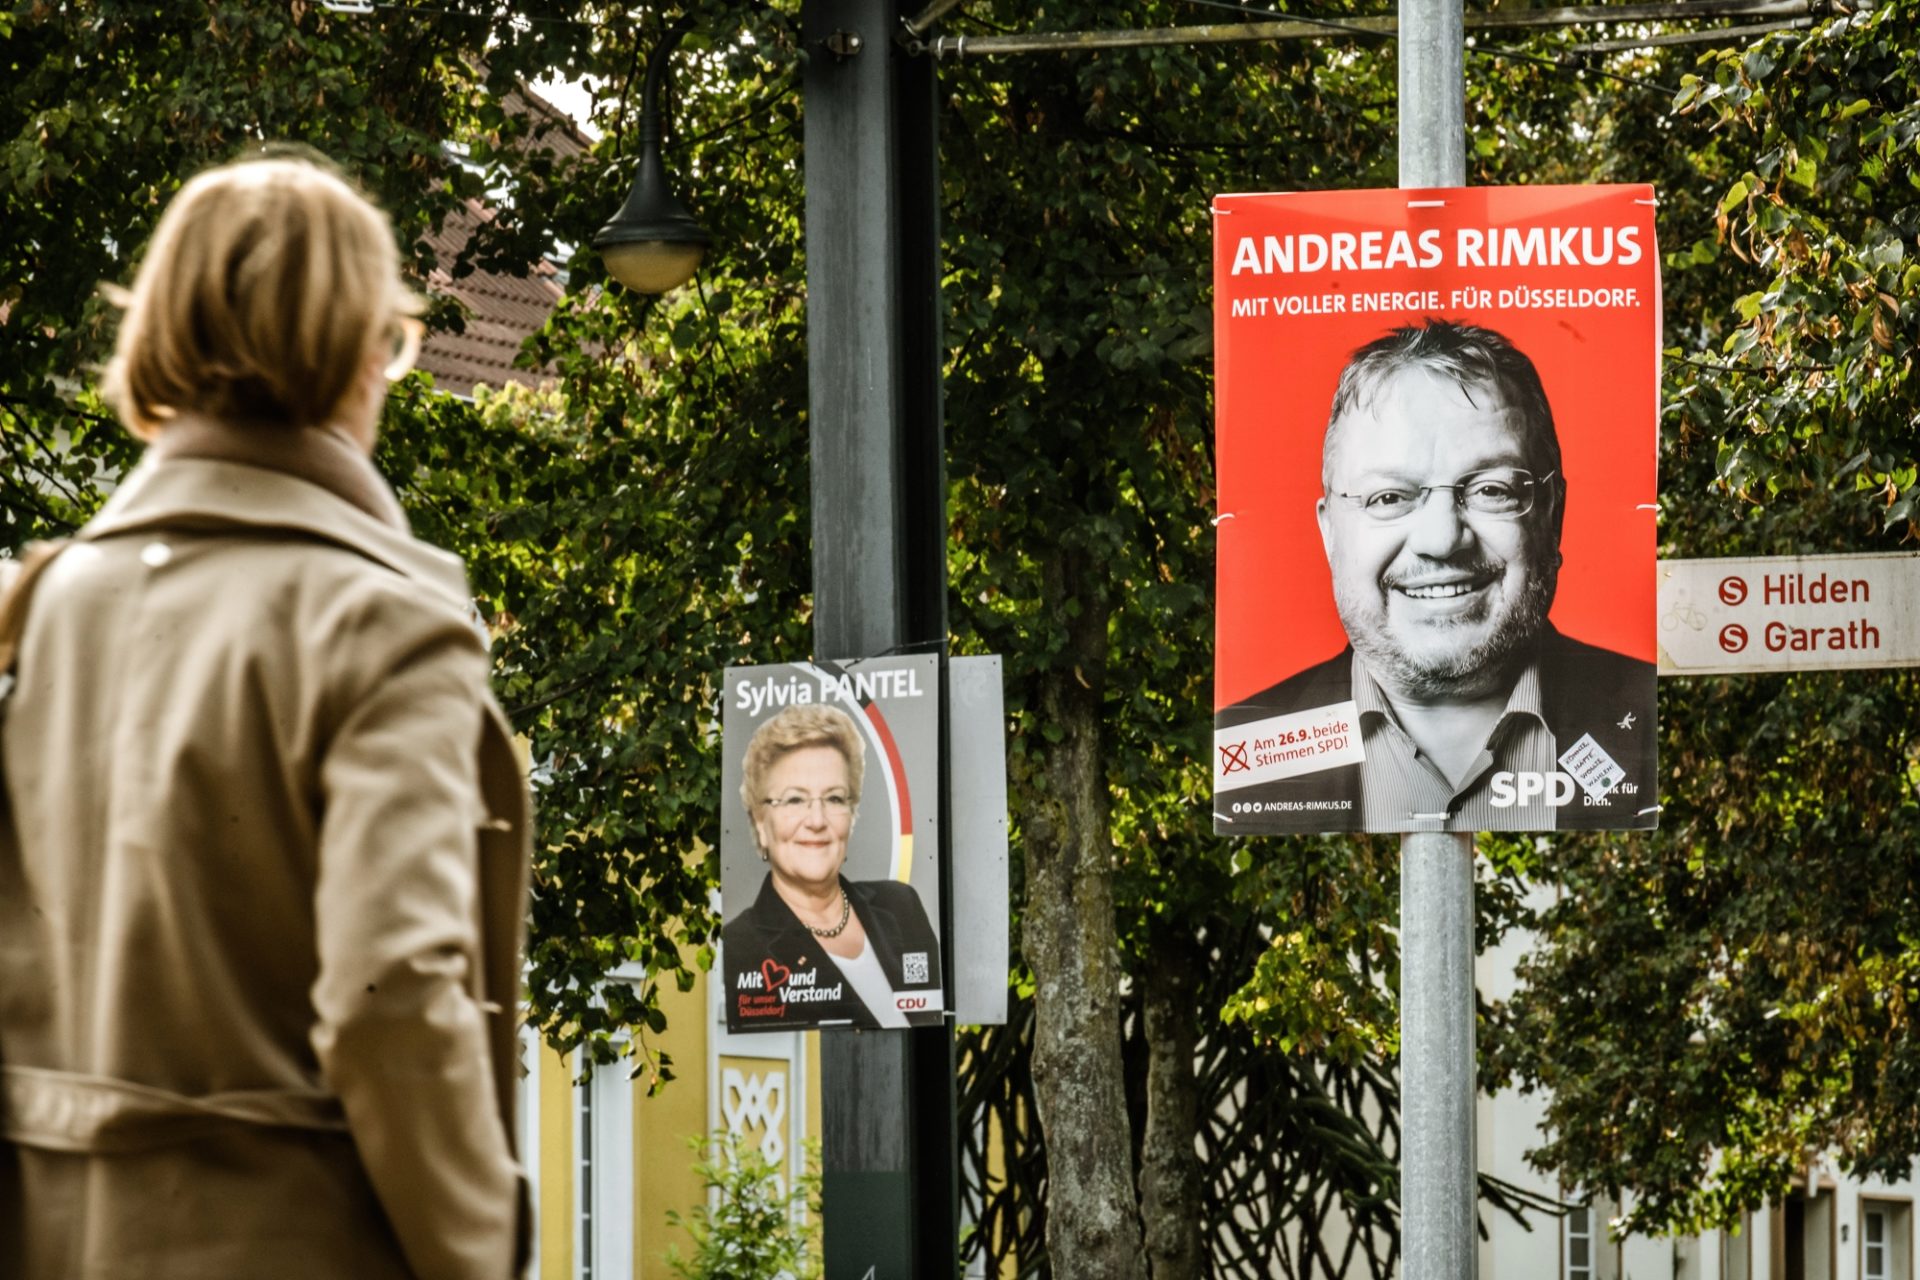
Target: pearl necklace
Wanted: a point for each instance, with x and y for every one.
(846, 914)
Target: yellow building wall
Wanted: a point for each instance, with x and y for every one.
(556, 1166)
(813, 1091)
(814, 1129)
(663, 1129)
(1008, 1267)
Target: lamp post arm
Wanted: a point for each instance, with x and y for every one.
(656, 72)
(916, 26)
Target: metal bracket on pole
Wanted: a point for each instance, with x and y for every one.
(844, 44)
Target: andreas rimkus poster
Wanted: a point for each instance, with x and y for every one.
(829, 845)
(1437, 415)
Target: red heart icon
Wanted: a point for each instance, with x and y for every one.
(774, 973)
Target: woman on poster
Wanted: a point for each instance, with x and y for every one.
(844, 950)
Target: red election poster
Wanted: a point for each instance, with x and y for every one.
(1438, 416)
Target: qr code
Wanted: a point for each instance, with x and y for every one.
(915, 965)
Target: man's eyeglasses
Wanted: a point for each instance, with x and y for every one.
(790, 805)
(1505, 493)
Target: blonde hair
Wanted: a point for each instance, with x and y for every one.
(266, 287)
(808, 725)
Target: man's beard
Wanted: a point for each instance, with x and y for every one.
(1450, 675)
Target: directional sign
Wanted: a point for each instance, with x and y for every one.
(1789, 613)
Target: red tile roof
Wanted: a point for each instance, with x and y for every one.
(501, 310)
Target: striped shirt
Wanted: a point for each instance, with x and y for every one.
(1402, 789)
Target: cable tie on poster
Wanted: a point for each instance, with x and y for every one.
(1638, 200)
(1426, 204)
(1648, 506)
(1224, 515)
(1652, 808)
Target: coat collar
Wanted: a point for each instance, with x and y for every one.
(212, 476)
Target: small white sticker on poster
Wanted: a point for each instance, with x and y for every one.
(1286, 746)
(1590, 766)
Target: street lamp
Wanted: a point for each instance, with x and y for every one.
(653, 244)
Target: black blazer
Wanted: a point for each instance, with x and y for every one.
(768, 949)
(1585, 689)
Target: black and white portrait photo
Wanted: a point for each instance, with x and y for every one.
(1461, 706)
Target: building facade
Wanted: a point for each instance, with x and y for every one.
(1829, 1228)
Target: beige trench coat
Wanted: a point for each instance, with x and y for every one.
(262, 880)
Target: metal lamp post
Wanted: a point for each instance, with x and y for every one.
(1438, 1162)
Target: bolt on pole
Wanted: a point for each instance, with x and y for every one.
(1438, 1163)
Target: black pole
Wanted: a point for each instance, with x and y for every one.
(879, 569)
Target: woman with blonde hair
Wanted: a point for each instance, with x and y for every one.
(263, 840)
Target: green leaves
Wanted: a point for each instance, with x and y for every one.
(1300, 999)
(106, 109)
(1713, 1003)
(753, 1226)
(1735, 197)
(1821, 364)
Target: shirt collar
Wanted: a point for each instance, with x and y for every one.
(321, 455)
(1524, 699)
(195, 490)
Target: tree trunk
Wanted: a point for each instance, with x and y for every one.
(1170, 1183)
(1093, 1221)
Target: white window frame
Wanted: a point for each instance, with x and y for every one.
(789, 1049)
(1569, 1269)
(603, 1175)
(531, 1048)
(1872, 1267)
(1736, 1251)
(1895, 1246)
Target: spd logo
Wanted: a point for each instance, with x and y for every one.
(1510, 789)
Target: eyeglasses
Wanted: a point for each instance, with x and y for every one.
(403, 338)
(1505, 493)
(790, 806)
